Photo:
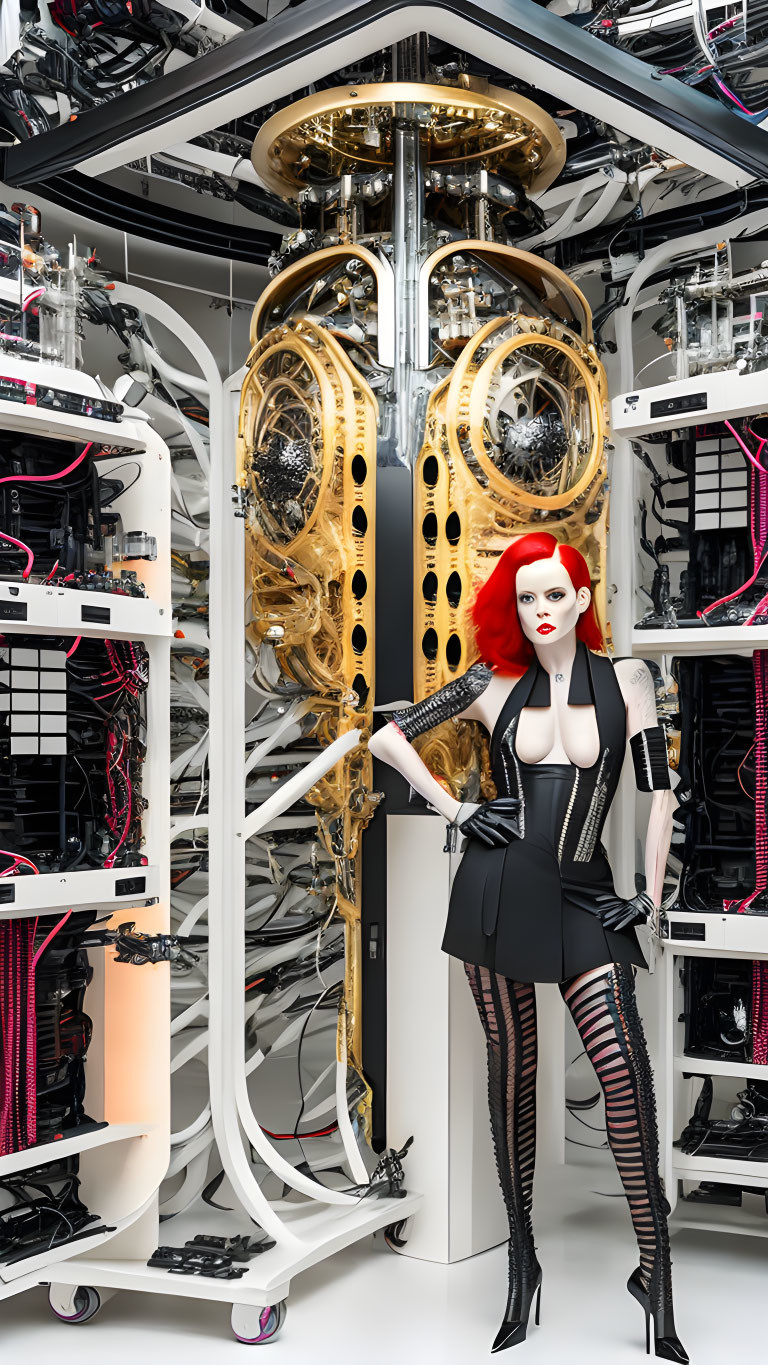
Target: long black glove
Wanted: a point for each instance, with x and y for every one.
(494, 823)
(615, 913)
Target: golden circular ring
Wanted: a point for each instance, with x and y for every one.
(473, 410)
(349, 129)
(257, 398)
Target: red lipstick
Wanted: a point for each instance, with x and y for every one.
(545, 628)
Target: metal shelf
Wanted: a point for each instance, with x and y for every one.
(714, 934)
(69, 1146)
(127, 434)
(35, 608)
(712, 398)
(647, 644)
(131, 432)
(727, 1172)
(708, 1066)
(90, 889)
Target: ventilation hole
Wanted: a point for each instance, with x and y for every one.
(429, 644)
(359, 522)
(359, 469)
(359, 639)
(359, 585)
(430, 471)
(453, 651)
(453, 528)
(429, 587)
(453, 590)
(429, 528)
(361, 688)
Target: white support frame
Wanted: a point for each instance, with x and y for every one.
(304, 1233)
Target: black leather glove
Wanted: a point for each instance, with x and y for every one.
(494, 823)
(615, 913)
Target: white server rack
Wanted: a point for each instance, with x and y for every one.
(639, 412)
(121, 1164)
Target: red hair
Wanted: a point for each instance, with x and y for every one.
(498, 632)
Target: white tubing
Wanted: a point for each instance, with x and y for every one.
(657, 260)
(298, 709)
(297, 786)
(196, 1126)
(356, 1163)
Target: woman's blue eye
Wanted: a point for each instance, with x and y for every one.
(556, 595)
(525, 597)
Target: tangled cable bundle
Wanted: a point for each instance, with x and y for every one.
(724, 56)
(116, 691)
(76, 803)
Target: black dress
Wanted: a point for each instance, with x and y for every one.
(529, 910)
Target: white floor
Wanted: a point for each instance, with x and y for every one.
(372, 1307)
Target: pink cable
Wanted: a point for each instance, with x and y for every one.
(757, 551)
(731, 595)
(760, 1013)
(53, 570)
(46, 478)
(760, 670)
(47, 940)
(110, 862)
(720, 28)
(34, 294)
(30, 1042)
(731, 96)
(20, 546)
(71, 651)
(753, 460)
(19, 859)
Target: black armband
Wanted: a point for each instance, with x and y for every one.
(456, 696)
(649, 755)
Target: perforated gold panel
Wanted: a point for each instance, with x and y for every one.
(307, 466)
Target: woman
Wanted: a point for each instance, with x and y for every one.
(533, 898)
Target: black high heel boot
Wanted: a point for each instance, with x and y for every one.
(667, 1344)
(524, 1282)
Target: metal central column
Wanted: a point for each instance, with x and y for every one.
(407, 243)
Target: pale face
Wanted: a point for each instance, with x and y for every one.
(547, 603)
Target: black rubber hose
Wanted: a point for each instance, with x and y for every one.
(660, 227)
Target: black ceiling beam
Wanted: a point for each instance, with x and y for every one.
(298, 34)
(103, 203)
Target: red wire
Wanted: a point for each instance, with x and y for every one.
(20, 546)
(738, 773)
(47, 940)
(19, 859)
(46, 478)
(110, 862)
(284, 1137)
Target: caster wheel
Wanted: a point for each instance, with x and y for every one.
(257, 1326)
(393, 1234)
(78, 1305)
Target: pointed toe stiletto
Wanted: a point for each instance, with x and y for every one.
(666, 1343)
(514, 1328)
